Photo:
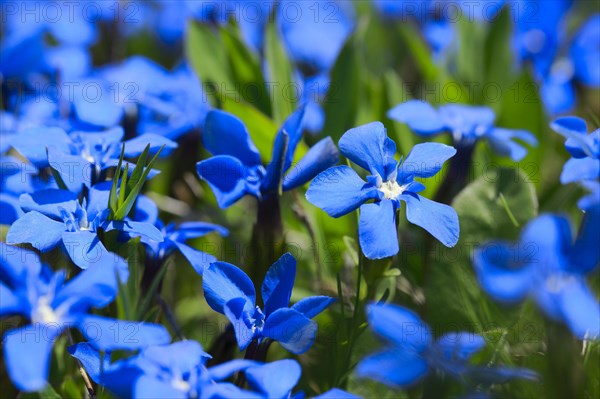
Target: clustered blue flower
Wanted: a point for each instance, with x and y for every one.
(72, 170)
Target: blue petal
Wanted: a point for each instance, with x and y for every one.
(399, 326)
(275, 379)
(111, 334)
(580, 309)
(278, 284)
(313, 305)
(134, 229)
(226, 176)
(460, 345)
(502, 142)
(425, 160)
(27, 354)
(90, 359)
(145, 210)
(294, 331)
(366, 146)
(585, 254)
(36, 229)
(440, 220)
(578, 169)
(74, 171)
(227, 390)
(10, 302)
(319, 157)
(377, 230)
(198, 259)
(96, 286)
(10, 210)
(136, 146)
(558, 95)
(234, 310)
(225, 370)
(393, 368)
(16, 264)
(592, 198)
(273, 178)
(225, 134)
(188, 230)
(147, 386)
(546, 240)
(223, 282)
(419, 116)
(184, 356)
(98, 199)
(339, 190)
(49, 202)
(499, 273)
(85, 248)
(102, 112)
(293, 128)
(574, 129)
(32, 143)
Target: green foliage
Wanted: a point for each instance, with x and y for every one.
(126, 187)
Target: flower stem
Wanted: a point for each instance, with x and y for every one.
(267, 241)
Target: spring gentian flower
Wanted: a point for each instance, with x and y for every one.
(339, 190)
(229, 291)
(30, 289)
(585, 53)
(548, 266)
(467, 124)
(179, 371)
(584, 166)
(55, 217)
(314, 33)
(236, 169)
(413, 354)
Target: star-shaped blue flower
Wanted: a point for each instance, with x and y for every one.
(467, 124)
(548, 266)
(236, 170)
(80, 157)
(339, 190)
(29, 288)
(55, 217)
(413, 354)
(179, 371)
(229, 291)
(584, 166)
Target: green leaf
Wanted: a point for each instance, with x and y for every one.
(341, 102)
(132, 194)
(499, 52)
(282, 87)
(46, 393)
(420, 51)
(246, 69)
(113, 199)
(481, 206)
(207, 54)
(352, 248)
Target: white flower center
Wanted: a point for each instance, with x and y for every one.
(391, 189)
(44, 313)
(180, 384)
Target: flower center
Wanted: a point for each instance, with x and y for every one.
(391, 189)
(44, 313)
(179, 384)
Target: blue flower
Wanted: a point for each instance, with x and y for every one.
(585, 53)
(467, 124)
(314, 33)
(229, 291)
(584, 166)
(179, 371)
(30, 289)
(546, 265)
(236, 169)
(55, 217)
(413, 354)
(339, 190)
(82, 158)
